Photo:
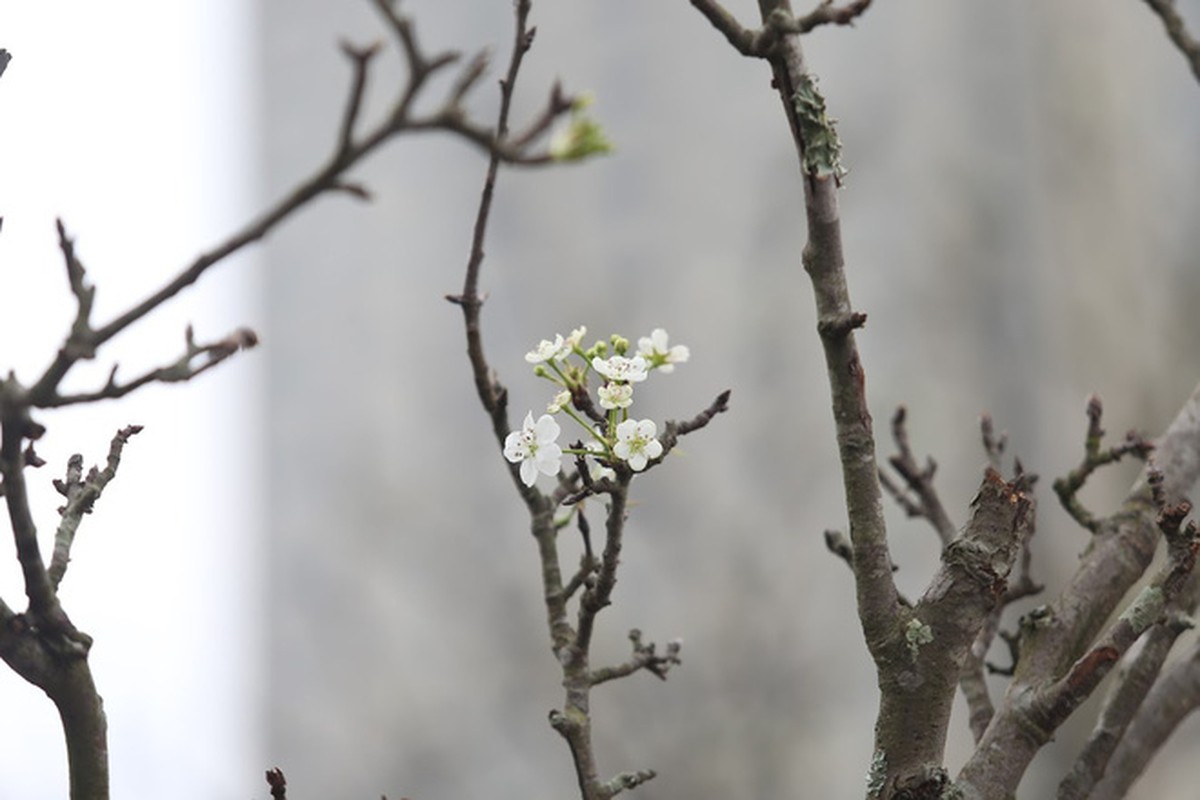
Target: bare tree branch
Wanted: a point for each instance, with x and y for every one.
(1124, 703)
(1067, 487)
(196, 359)
(1062, 658)
(350, 148)
(278, 783)
(81, 495)
(919, 481)
(1178, 33)
(1174, 696)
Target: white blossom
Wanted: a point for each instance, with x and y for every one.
(534, 448)
(615, 395)
(573, 341)
(620, 368)
(655, 350)
(546, 350)
(636, 443)
(598, 471)
(560, 400)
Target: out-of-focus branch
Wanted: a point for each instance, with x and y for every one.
(196, 359)
(81, 494)
(351, 147)
(1178, 33)
(1172, 699)
(993, 445)
(918, 480)
(5, 57)
(1124, 703)
(278, 783)
(1063, 656)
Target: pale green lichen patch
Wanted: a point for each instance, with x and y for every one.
(822, 148)
(1145, 610)
(917, 633)
(877, 775)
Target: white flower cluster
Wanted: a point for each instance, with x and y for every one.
(620, 438)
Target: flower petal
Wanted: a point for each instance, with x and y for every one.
(528, 472)
(546, 429)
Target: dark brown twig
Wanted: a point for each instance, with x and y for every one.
(644, 657)
(196, 359)
(278, 783)
(349, 149)
(919, 481)
(760, 42)
(1178, 33)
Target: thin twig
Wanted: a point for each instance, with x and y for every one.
(195, 360)
(644, 657)
(919, 481)
(1067, 487)
(278, 783)
(450, 117)
(81, 495)
(1178, 33)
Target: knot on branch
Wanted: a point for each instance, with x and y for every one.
(928, 782)
(840, 325)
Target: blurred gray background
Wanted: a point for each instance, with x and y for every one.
(1020, 225)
